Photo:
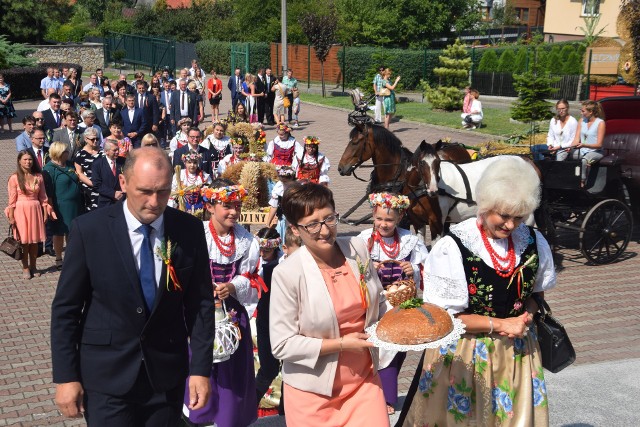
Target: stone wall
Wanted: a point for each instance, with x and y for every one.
(89, 55)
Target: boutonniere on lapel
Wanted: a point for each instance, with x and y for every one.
(165, 252)
(364, 291)
(532, 263)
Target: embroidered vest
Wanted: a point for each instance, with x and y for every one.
(492, 295)
(282, 156)
(223, 273)
(389, 273)
(308, 171)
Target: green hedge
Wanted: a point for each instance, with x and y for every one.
(217, 55)
(412, 65)
(25, 81)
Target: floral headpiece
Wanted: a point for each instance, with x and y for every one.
(186, 120)
(308, 140)
(232, 193)
(285, 171)
(389, 201)
(236, 141)
(191, 156)
(220, 123)
(270, 243)
(283, 127)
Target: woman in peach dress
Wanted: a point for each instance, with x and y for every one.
(28, 210)
(320, 306)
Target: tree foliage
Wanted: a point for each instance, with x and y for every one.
(489, 61)
(14, 54)
(506, 61)
(320, 31)
(26, 21)
(453, 74)
(534, 87)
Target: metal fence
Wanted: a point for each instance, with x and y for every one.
(152, 52)
(501, 84)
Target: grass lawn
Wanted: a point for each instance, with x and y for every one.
(496, 119)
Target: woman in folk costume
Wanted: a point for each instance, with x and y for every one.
(237, 148)
(387, 242)
(282, 149)
(233, 256)
(485, 272)
(187, 183)
(287, 176)
(312, 166)
(218, 144)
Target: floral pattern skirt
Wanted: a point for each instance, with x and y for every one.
(479, 380)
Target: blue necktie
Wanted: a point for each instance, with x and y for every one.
(147, 267)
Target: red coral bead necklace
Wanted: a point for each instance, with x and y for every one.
(225, 249)
(498, 261)
(391, 250)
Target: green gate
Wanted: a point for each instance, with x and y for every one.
(152, 52)
(239, 57)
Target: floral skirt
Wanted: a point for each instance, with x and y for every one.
(479, 380)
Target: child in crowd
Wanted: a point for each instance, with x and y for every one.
(181, 138)
(237, 148)
(287, 176)
(388, 242)
(186, 187)
(269, 254)
(283, 148)
(217, 143)
(233, 255)
(312, 165)
(291, 244)
(295, 110)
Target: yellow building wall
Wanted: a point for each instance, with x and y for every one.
(564, 17)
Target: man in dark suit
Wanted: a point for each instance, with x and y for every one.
(271, 97)
(52, 117)
(105, 115)
(235, 86)
(261, 92)
(70, 134)
(122, 319)
(165, 99)
(104, 175)
(184, 103)
(194, 137)
(38, 151)
(134, 124)
(148, 103)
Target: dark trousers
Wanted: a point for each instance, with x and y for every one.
(140, 406)
(269, 365)
(290, 109)
(268, 109)
(261, 101)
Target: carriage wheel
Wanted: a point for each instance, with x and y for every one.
(606, 231)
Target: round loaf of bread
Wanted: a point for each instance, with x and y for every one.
(410, 326)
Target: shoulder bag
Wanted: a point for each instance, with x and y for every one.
(11, 246)
(286, 102)
(384, 92)
(556, 349)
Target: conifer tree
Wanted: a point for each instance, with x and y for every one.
(489, 61)
(506, 62)
(520, 65)
(453, 75)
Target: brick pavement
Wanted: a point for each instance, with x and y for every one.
(597, 303)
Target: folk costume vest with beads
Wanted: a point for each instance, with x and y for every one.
(217, 155)
(193, 202)
(223, 273)
(495, 296)
(390, 273)
(283, 156)
(310, 172)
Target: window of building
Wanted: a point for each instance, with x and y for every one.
(522, 14)
(590, 7)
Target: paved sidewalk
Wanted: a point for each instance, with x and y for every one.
(599, 305)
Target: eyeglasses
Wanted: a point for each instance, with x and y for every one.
(90, 139)
(37, 138)
(39, 119)
(315, 227)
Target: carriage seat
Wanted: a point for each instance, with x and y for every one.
(623, 149)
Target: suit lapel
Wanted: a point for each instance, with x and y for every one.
(120, 236)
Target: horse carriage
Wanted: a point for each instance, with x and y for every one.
(440, 181)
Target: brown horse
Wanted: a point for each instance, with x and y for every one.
(391, 161)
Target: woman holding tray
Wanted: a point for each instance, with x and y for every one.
(485, 272)
(323, 297)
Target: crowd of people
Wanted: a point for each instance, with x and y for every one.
(132, 340)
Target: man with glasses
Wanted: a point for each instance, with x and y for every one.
(105, 172)
(194, 137)
(70, 134)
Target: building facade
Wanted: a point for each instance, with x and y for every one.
(563, 18)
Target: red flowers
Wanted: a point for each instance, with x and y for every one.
(472, 289)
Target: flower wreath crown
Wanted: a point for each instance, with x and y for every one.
(237, 141)
(191, 157)
(308, 140)
(270, 243)
(283, 127)
(389, 201)
(232, 193)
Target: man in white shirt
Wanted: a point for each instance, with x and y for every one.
(48, 82)
(93, 84)
(194, 66)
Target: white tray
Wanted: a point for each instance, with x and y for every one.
(454, 335)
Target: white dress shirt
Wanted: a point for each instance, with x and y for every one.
(136, 237)
(184, 106)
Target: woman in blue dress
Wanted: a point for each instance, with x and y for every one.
(6, 106)
(389, 101)
(587, 144)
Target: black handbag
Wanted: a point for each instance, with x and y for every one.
(556, 349)
(11, 246)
